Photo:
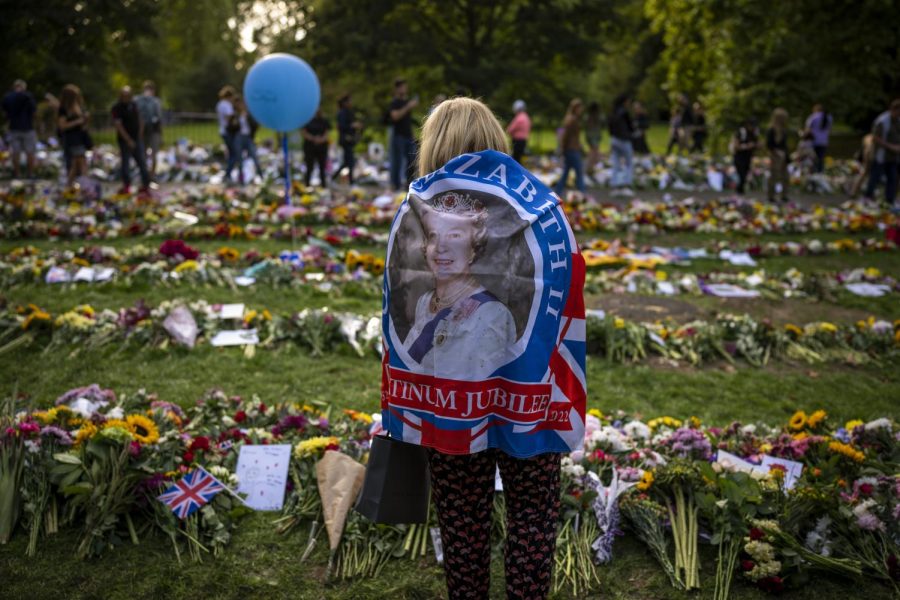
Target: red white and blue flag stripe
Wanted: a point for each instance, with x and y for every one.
(191, 492)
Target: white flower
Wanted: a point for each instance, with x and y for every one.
(882, 423)
(116, 413)
(748, 429)
(610, 438)
(637, 430)
(228, 421)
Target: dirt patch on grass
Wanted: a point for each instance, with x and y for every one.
(644, 308)
(651, 308)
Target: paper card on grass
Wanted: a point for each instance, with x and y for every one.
(104, 274)
(57, 275)
(732, 462)
(231, 311)
(726, 290)
(244, 281)
(84, 274)
(262, 474)
(792, 469)
(737, 258)
(237, 337)
(871, 290)
(665, 288)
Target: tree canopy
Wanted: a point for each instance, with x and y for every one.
(739, 57)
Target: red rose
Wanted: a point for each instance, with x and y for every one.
(134, 449)
(262, 408)
(756, 533)
(240, 416)
(200, 443)
(332, 447)
(188, 457)
(747, 565)
(866, 489)
(773, 584)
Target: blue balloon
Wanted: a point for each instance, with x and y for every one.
(282, 92)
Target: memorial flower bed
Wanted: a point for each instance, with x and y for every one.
(775, 501)
(321, 331)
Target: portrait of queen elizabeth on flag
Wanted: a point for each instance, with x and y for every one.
(483, 315)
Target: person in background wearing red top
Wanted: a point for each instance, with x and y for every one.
(519, 129)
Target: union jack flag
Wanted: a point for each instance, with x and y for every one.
(191, 492)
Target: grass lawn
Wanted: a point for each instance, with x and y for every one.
(261, 564)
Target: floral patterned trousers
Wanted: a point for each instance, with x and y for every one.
(463, 492)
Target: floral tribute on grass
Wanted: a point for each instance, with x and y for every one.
(727, 338)
(211, 212)
(316, 263)
(769, 505)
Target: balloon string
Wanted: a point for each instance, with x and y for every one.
(287, 189)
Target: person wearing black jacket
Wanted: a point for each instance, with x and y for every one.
(348, 135)
(776, 143)
(315, 146)
(744, 144)
(621, 130)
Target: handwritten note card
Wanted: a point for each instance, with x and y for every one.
(262, 472)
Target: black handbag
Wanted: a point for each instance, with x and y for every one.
(397, 486)
(86, 140)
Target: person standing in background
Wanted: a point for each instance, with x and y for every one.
(150, 109)
(818, 127)
(743, 145)
(19, 106)
(130, 136)
(886, 137)
(621, 130)
(243, 142)
(224, 112)
(698, 131)
(593, 133)
(519, 129)
(315, 147)
(641, 125)
(776, 143)
(348, 135)
(570, 142)
(865, 156)
(403, 146)
(72, 120)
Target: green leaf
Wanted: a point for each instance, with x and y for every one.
(67, 458)
(83, 487)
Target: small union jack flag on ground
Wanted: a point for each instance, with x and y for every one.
(191, 492)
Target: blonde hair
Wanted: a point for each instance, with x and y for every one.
(459, 126)
(779, 122)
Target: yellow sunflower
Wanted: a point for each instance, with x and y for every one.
(143, 429)
(816, 419)
(85, 432)
(798, 421)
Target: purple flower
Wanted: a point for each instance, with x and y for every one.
(62, 437)
(690, 443)
(92, 392)
(869, 522)
(842, 435)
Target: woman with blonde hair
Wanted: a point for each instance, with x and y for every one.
(776, 143)
(471, 316)
(72, 123)
(570, 143)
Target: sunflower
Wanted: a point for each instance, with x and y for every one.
(798, 421)
(85, 432)
(143, 429)
(816, 419)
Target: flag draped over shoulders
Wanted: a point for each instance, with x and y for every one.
(483, 314)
